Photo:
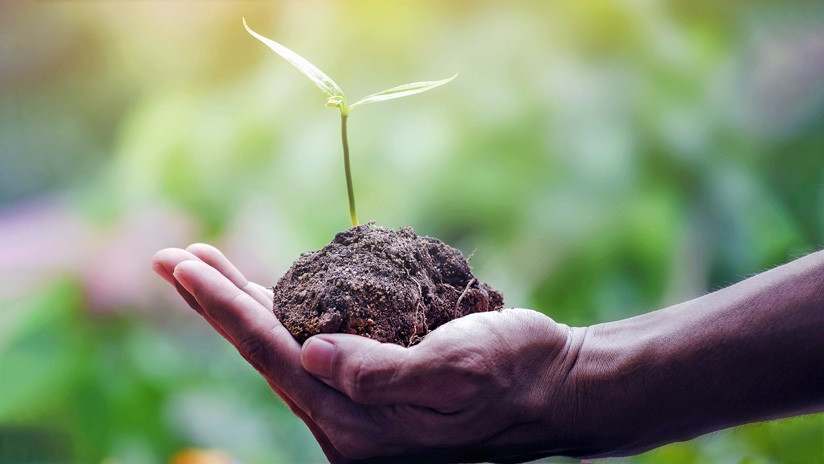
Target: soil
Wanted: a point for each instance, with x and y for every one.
(392, 286)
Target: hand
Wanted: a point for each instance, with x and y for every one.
(486, 386)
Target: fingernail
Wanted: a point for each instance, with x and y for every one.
(317, 357)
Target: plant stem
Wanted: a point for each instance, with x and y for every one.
(353, 215)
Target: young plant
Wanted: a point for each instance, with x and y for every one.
(336, 99)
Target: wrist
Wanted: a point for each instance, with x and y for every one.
(586, 393)
(631, 385)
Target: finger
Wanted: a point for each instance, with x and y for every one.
(188, 298)
(164, 262)
(374, 373)
(215, 258)
(238, 313)
(270, 294)
(256, 333)
(271, 349)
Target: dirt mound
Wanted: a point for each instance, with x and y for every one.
(392, 286)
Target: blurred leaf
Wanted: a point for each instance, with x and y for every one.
(753, 460)
(41, 354)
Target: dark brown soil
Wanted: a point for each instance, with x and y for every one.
(379, 283)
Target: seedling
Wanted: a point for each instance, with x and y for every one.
(336, 99)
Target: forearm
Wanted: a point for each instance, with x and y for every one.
(749, 352)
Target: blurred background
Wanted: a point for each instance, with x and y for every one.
(605, 157)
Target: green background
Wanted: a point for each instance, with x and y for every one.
(605, 157)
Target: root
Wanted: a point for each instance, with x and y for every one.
(460, 298)
(420, 312)
(468, 260)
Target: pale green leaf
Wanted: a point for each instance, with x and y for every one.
(402, 91)
(333, 93)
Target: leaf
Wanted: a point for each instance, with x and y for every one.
(402, 91)
(333, 93)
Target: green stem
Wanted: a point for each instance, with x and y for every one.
(353, 215)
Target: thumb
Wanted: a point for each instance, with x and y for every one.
(367, 371)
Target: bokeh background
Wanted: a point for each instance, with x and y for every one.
(604, 157)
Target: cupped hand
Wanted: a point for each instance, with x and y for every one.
(488, 386)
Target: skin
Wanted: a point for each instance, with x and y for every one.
(514, 385)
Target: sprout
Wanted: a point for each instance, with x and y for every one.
(336, 99)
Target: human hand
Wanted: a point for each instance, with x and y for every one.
(488, 386)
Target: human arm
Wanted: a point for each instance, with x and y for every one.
(515, 385)
(749, 352)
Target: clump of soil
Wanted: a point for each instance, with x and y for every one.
(392, 286)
